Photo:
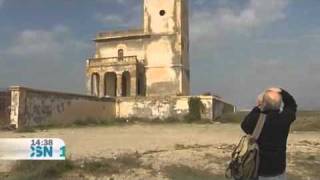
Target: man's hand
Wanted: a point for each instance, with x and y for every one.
(260, 100)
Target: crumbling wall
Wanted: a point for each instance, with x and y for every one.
(34, 107)
(31, 107)
(161, 107)
(5, 99)
(220, 107)
(152, 107)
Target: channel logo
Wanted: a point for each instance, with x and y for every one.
(32, 149)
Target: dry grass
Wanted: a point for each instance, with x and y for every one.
(182, 151)
(183, 172)
(89, 122)
(306, 165)
(116, 165)
(38, 170)
(232, 117)
(302, 166)
(52, 170)
(86, 122)
(306, 120)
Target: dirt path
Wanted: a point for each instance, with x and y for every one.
(199, 146)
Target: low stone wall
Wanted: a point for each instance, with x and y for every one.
(31, 107)
(151, 107)
(5, 100)
(161, 107)
(220, 107)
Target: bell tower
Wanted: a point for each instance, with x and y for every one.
(167, 50)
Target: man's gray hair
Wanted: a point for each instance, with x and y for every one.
(270, 103)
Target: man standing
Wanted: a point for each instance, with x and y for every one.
(273, 139)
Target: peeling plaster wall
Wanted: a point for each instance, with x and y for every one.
(154, 22)
(33, 107)
(130, 48)
(160, 52)
(152, 107)
(164, 107)
(167, 52)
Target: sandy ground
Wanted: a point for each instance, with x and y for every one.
(205, 147)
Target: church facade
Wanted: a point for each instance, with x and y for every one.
(151, 61)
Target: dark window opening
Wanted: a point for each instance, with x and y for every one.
(139, 87)
(120, 55)
(110, 84)
(162, 12)
(125, 84)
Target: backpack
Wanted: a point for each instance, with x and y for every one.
(245, 157)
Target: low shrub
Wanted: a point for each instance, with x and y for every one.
(195, 109)
(39, 170)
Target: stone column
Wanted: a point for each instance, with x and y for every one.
(133, 83)
(119, 84)
(88, 84)
(18, 107)
(88, 78)
(101, 85)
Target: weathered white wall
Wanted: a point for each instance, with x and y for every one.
(162, 107)
(154, 22)
(152, 107)
(167, 52)
(31, 107)
(34, 107)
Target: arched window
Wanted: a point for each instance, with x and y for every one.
(120, 55)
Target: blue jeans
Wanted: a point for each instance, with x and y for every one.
(280, 177)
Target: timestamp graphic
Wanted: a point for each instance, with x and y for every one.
(32, 149)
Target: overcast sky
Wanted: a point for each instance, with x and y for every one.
(238, 47)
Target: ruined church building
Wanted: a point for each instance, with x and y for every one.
(151, 61)
(142, 73)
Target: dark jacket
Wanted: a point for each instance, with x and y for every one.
(273, 138)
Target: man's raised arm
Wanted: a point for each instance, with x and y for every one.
(290, 105)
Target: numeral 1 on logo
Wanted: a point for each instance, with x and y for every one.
(63, 151)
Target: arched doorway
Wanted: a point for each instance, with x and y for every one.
(125, 84)
(95, 81)
(110, 84)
